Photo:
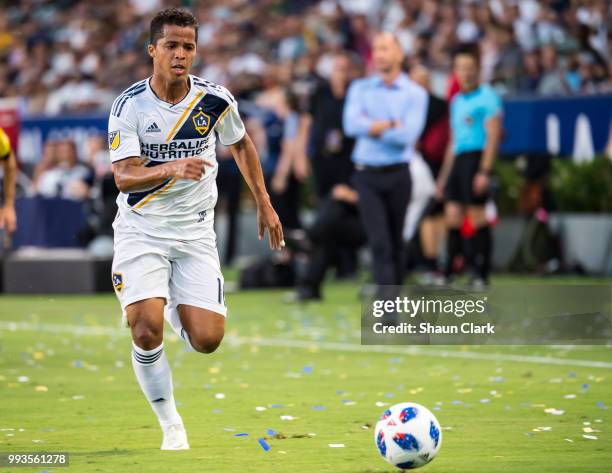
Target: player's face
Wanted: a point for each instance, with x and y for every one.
(467, 71)
(386, 53)
(174, 53)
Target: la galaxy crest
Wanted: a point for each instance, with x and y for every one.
(118, 283)
(114, 138)
(201, 121)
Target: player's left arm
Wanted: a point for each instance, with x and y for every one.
(8, 217)
(246, 157)
(232, 133)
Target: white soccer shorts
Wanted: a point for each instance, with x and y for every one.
(182, 272)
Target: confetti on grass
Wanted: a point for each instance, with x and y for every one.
(589, 430)
(336, 445)
(264, 444)
(590, 437)
(241, 434)
(542, 429)
(555, 412)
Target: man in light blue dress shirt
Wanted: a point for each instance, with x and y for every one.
(386, 114)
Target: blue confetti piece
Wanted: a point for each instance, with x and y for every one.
(572, 374)
(318, 408)
(498, 379)
(456, 402)
(347, 401)
(276, 406)
(264, 444)
(241, 434)
(271, 432)
(585, 387)
(601, 405)
(389, 395)
(307, 369)
(436, 408)
(339, 391)
(78, 364)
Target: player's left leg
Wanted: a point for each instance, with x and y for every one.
(197, 302)
(204, 327)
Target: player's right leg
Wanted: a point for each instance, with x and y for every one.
(141, 273)
(146, 320)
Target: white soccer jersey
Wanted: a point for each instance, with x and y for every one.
(142, 125)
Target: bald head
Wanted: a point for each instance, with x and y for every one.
(387, 53)
(420, 75)
(388, 37)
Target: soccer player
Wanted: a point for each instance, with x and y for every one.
(162, 145)
(476, 125)
(8, 218)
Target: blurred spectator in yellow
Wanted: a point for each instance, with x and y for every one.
(8, 218)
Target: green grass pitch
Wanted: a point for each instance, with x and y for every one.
(66, 384)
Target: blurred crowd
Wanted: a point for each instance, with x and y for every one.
(289, 63)
(76, 55)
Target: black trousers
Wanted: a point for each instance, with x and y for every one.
(229, 183)
(337, 226)
(384, 194)
(287, 203)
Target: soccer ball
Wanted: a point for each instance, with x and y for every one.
(408, 435)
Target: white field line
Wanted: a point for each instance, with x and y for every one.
(8, 326)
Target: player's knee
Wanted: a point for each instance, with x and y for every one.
(146, 336)
(206, 342)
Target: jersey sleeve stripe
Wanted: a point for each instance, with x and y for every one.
(127, 91)
(121, 103)
(225, 112)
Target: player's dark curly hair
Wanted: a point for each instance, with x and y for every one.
(171, 16)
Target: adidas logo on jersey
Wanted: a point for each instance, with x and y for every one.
(153, 128)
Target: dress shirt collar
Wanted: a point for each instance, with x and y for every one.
(400, 81)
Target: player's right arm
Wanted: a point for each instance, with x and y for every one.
(132, 176)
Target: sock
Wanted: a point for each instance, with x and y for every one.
(172, 317)
(185, 337)
(453, 245)
(431, 264)
(155, 378)
(482, 252)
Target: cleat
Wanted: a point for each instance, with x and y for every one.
(479, 285)
(175, 438)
